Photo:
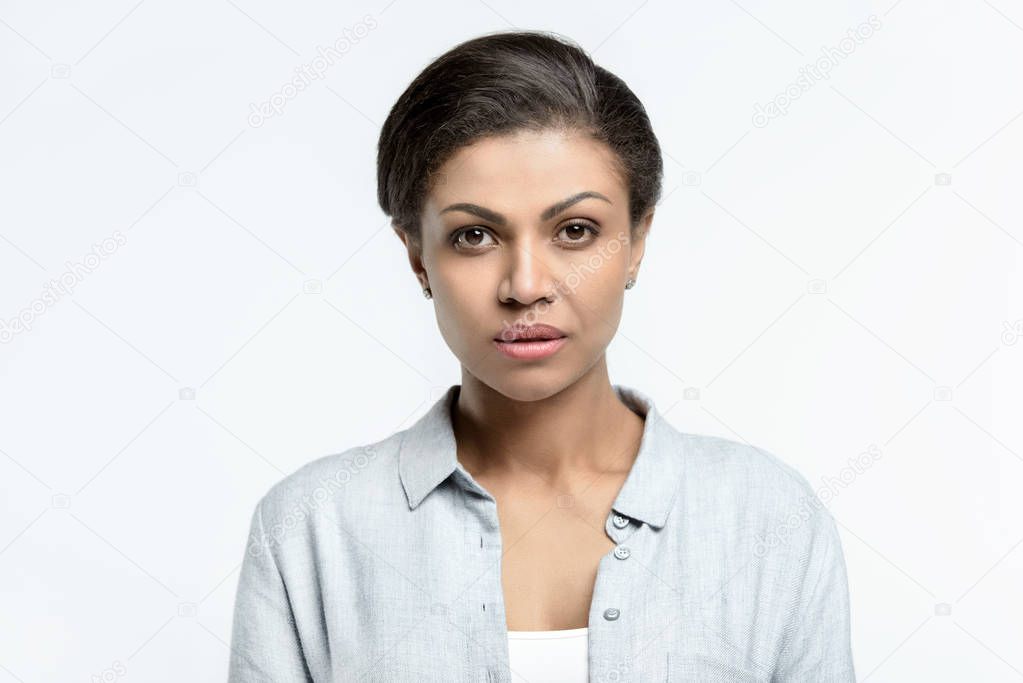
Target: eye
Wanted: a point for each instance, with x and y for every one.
(475, 238)
(579, 233)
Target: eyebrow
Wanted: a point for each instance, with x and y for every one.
(548, 213)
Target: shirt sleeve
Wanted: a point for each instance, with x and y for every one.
(265, 643)
(819, 647)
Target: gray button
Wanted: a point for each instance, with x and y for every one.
(611, 613)
(620, 521)
(621, 552)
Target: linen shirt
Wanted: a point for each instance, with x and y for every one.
(383, 563)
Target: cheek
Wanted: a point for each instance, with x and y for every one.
(606, 312)
(459, 275)
(603, 279)
(452, 331)
(460, 308)
(598, 301)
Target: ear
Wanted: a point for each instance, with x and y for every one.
(415, 255)
(639, 243)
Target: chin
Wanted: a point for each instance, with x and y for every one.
(527, 385)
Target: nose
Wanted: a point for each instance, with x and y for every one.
(527, 278)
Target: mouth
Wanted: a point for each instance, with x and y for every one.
(530, 343)
(530, 349)
(523, 334)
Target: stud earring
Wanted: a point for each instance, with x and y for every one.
(629, 283)
(427, 293)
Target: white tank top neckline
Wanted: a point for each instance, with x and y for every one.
(549, 656)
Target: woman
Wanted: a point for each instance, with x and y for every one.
(537, 523)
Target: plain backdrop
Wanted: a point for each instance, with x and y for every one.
(200, 294)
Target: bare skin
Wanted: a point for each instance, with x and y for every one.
(552, 510)
(548, 438)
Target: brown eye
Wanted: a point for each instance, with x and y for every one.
(578, 233)
(474, 238)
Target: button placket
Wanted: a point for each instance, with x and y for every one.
(613, 590)
(621, 552)
(485, 596)
(619, 527)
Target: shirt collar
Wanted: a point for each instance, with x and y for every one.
(427, 456)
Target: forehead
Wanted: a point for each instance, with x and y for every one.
(527, 165)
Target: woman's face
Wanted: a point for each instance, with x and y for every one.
(528, 229)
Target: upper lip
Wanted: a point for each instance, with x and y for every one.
(536, 332)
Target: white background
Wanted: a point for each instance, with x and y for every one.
(844, 278)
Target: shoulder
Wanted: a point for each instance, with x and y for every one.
(331, 481)
(729, 464)
(753, 489)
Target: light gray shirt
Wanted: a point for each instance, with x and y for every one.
(383, 563)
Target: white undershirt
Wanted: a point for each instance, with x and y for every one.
(549, 656)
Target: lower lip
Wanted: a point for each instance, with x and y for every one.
(530, 350)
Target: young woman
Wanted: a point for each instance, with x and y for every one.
(538, 522)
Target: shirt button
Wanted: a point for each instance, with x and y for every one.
(620, 521)
(611, 613)
(621, 552)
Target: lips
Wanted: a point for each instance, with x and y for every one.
(530, 349)
(530, 333)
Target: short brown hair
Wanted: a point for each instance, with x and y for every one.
(500, 83)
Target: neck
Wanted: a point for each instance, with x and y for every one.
(584, 428)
